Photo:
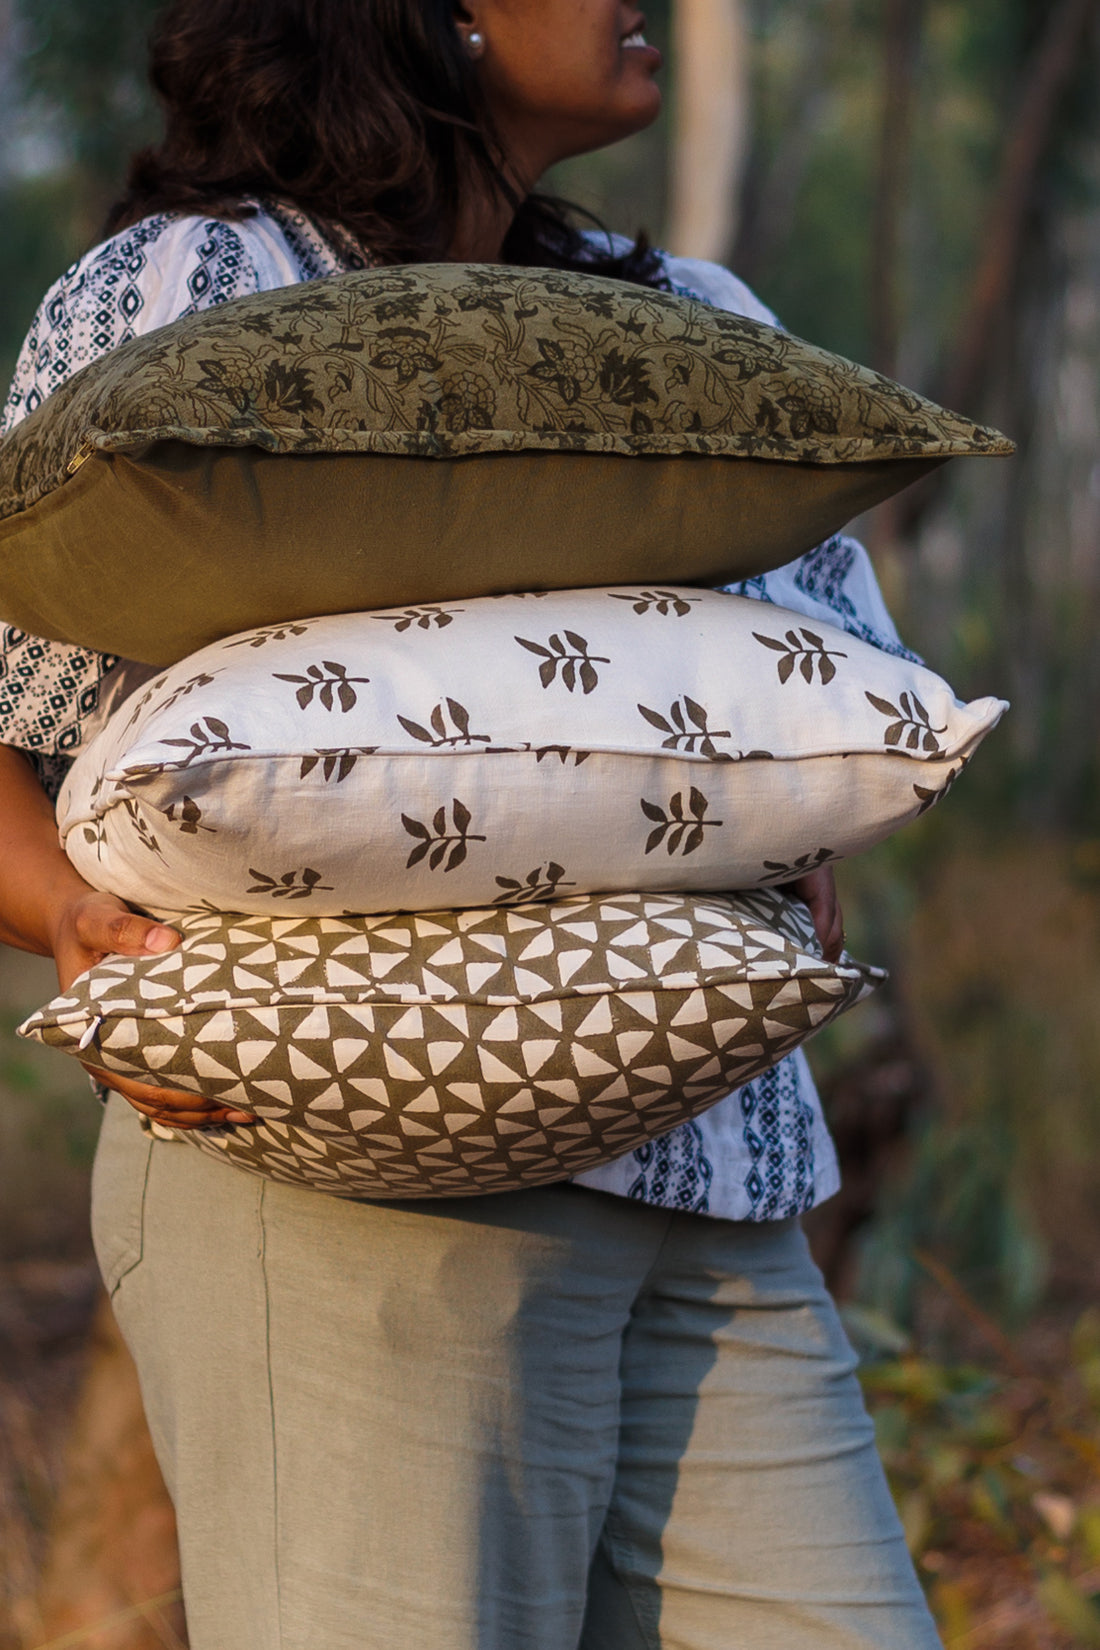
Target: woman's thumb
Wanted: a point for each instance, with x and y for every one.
(158, 938)
(125, 932)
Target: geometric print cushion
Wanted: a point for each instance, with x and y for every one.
(434, 432)
(454, 1053)
(510, 748)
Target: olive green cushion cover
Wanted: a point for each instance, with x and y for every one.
(447, 1053)
(432, 432)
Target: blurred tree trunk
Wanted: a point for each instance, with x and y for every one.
(112, 1572)
(710, 126)
(902, 23)
(978, 348)
(1053, 64)
(773, 185)
(901, 38)
(7, 54)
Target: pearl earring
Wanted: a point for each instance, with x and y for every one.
(475, 43)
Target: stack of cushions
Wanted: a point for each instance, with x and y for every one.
(510, 749)
(539, 784)
(436, 433)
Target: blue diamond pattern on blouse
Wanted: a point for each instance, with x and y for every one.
(199, 283)
(780, 1146)
(675, 1171)
(823, 574)
(131, 303)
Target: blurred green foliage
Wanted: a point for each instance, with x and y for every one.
(85, 68)
(77, 73)
(997, 1480)
(993, 941)
(819, 65)
(49, 1120)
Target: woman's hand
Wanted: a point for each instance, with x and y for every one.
(92, 926)
(817, 890)
(47, 908)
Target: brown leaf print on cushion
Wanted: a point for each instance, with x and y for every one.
(780, 873)
(544, 882)
(140, 826)
(270, 633)
(423, 617)
(438, 734)
(290, 885)
(336, 762)
(910, 726)
(804, 648)
(570, 657)
(664, 602)
(564, 754)
(441, 847)
(331, 684)
(208, 737)
(688, 729)
(929, 796)
(683, 828)
(182, 691)
(188, 816)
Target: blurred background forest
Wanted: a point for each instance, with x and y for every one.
(915, 183)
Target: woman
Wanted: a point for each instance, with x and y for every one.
(614, 1414)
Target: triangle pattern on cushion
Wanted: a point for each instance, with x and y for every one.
(422, 1056)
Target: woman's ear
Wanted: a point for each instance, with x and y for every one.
(469, 23)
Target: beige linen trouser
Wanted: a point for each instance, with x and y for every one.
(550, 1420)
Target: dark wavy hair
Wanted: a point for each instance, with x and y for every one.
(364, 114)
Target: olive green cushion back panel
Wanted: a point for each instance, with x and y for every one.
(452, 1053)
(448, 364)
(316, 535)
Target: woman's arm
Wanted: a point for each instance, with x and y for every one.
(177, 265)
(45, 907)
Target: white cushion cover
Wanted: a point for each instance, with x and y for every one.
(517, 747)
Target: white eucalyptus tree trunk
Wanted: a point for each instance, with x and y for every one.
(710, 125)
(7, 50)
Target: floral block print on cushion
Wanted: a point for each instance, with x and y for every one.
(435, 433)
(509, 749)
(452, 1053)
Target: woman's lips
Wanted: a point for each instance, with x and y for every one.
(637, 42)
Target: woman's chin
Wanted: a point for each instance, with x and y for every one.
(638, 103)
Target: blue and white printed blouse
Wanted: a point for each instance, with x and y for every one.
(763, 1153)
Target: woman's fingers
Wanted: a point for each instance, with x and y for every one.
(104, 925)
(832, 943)
(96, 925)
(173, 1107)
(99, 925)
(817, 890)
